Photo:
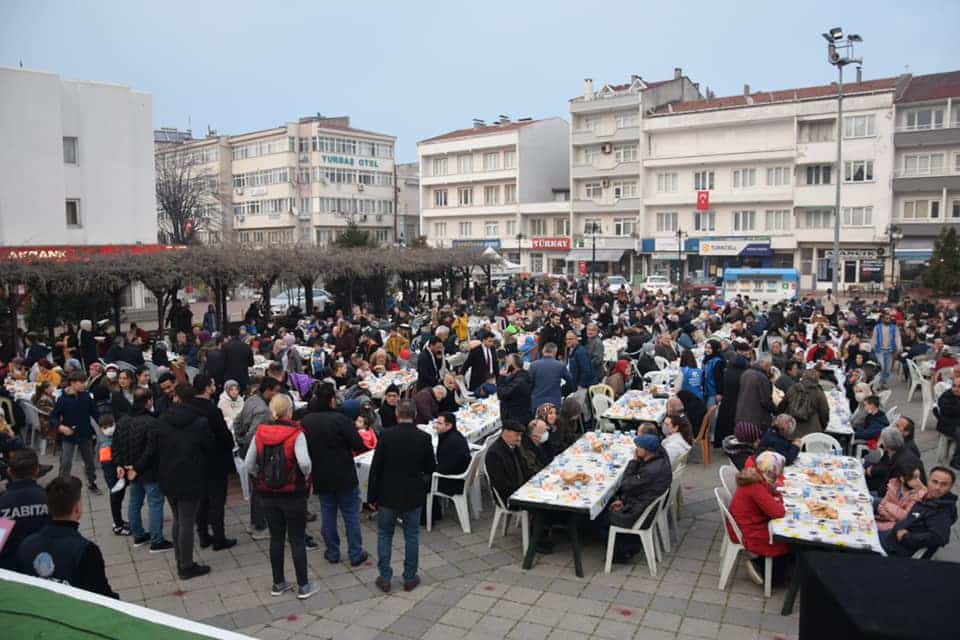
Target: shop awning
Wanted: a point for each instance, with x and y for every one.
(914, 249)
(603, 255)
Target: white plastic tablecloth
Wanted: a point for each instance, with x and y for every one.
(652, 409)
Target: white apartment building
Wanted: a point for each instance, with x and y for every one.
(301, 182)
(767, 161)
(501, 185)
(606, 174)
(408, 201)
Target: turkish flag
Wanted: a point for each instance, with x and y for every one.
(703, 200)
(583, 268)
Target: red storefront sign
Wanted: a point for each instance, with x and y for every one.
(582, 266)
(67, 253)
(703, 200)
(550, 244)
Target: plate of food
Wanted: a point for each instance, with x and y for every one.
(822, 479)
(822, 510)
(478, 408)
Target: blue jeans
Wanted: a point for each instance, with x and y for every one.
(348, 502)
(886, 361)
(386, 522)
(150, 490)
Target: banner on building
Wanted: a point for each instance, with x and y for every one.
(493, 243)
(550, 244)
(703, 200)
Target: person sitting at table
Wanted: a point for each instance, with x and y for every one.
(895, 455)
(388, 408)
(677, 438)
(691, 376)
(904, 490)
(665, 348)
(744, 445)
(568, 425)
(789, 375)
(945, 360)
(808, 405)
(907, 428)
(779, 438)
(927, 524)
(873, 423)
(645, 479)
(755, 503)
(617, 380)
(821, 351)
(428, 402)
(534, 450)
(861, 391)
(777, 354)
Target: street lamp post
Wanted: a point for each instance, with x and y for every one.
(835, 44)
(520, 259)
(680, 236)
(895, 234)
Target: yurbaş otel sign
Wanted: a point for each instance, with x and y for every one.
(360, 162)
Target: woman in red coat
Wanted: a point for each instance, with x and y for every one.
(755, 503)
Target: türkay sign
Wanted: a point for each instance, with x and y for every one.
(550, 244)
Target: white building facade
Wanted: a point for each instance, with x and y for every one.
(501, 185)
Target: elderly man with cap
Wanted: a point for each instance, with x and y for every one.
(645, 479)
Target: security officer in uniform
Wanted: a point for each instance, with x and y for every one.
(24, 502)
(57, 551)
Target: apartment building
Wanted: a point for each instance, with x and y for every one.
(301, 182)
(763, 166)
(500, 185)
(606, 173)
(926, 182)
(408, 201)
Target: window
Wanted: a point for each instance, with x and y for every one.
(491, 230)
(536, 262)
(955, 209)
(744, 220)
(592, 224)
(509, 159)
(858, 171)
(586, 123)
(588, 154)
(818, 174)
(70, 150)
(623, 226)
(922, 164)
(73, 213)
(778, 219)
(625, 119)
(815, 219)
(667, 183)
(806, 261)
(703, 180)
(744, 178)
(778, 176)
(922, 209)
(704, 221)
(538, 227)
(491, 195)
(439, 166)
(380, 235)
(816, 131)
(593, 190)
(624, 190)
(561, 195)
(466, 229)
(465, 163)
(625, 152)
(561, 226)
(859, 126)
(511, 228)
(465, 196)
(925, 118)
(857, 217)
(440, 198)
(440, 229)
(666, 221)
(491, 161)
(509, 193)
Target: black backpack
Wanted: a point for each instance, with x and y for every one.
(275, 468)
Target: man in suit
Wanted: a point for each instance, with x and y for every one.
(545, 376)
(399, 474)
(482, 361)
(428, 364)
(237, 360)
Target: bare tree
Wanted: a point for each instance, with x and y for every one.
(188, 197)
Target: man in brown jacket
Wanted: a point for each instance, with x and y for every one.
(755, 400)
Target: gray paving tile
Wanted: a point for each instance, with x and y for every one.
(669, 605)
(250, 616)
(699, 628)
(462, 618)
(661, 620)
(614, 630)
(428, 610)
(577, 622)
(529, 631)
(410, 626)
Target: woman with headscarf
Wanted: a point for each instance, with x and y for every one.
(727, 414)
(568, 423)
(291, 359)
(230, 402)
(755, 503)
(617, 380)
(713, 370)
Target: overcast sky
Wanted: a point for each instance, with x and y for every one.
(414, 69)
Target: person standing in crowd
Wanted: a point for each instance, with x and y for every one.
(886, 345)
(713, 369)
(134, 454)
(727, 414)
(428, 364)
(237, 360)
(121, 399)
(57, 551)
(256, 411)
(399, 474)
(830, 306)
(331, 441)
(755, 399)
(578, 362)
(482, 361)
(806, 402)
(513, 390)
(427, 402)
(546, 374)
(73, 416)
(594, 348)
(388, 408)
(230, 402)
(279, 458)
(24, 502)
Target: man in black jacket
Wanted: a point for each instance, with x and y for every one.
(237, 360)
(482, 361)
(928, 524)
(57, 551)
(514, 389)
(218, 468)
(216, 363)
(504, 464)
(130, 446)
(453, 458)
(948, 418)
(24, 502)
(388, 409)
(331, 440)
(428, 364)
(402, 465)
(184, 446)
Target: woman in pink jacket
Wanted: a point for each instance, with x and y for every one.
(903, 491)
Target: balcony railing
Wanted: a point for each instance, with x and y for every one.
(926, 173)
(928, 127)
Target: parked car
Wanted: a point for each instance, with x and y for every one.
(614, 284)
(701, 286)
(656, 283)
(283, 300)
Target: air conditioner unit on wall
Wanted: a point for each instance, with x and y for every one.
(605, 183)
(606, 147)
(359, 186)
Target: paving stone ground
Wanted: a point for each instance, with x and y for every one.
(470, 590)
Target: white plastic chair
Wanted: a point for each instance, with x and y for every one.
(820, 443)
(728, 478)
(460, 501)
(601, 404)
(500, 510)
(32, 427)
(670, 509)
(893, 414)
(926, 393)
(884, 396)
(646, 534)
(244, 477)
(729, 550)
(916, 379)
(662, 362)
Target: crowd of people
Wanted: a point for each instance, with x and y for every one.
(286, 403)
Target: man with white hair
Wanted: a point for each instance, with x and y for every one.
(755, 399)
(779, 438)
(896, 456)
(88, 346)
(427, 403)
